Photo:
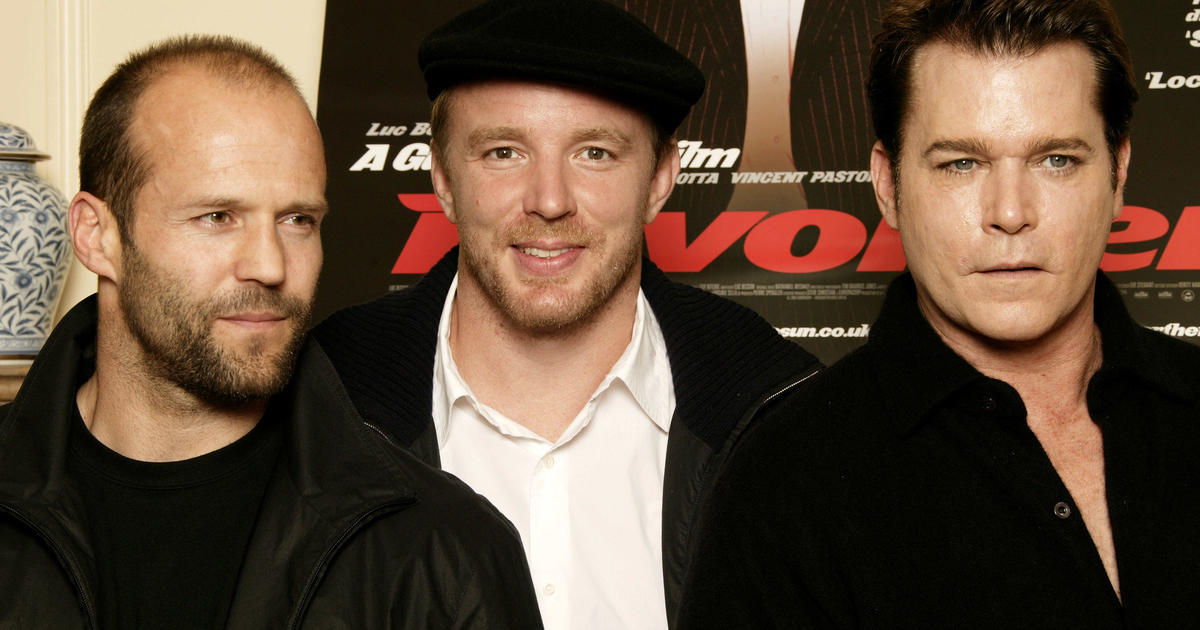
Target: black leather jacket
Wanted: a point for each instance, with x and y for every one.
(353, 531)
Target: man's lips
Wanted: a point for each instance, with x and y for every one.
(254, 320)
(1011, 269)
(547, 258)
(545, 251)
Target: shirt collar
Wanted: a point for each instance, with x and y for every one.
(1132, 350)
(917, 371)
(643, 368)
(448, 384)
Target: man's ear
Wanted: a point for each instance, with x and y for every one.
(94, 235)
(1123, 154)
(662, 182)
(883, 179)
(441, 184)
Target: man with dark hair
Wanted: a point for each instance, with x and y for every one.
(161, 467)
(1009, 450)
(544, 361)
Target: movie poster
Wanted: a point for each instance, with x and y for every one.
(773, 207)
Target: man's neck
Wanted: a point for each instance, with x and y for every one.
(1052, 375)
(1049, 373)
(147, 419)
(540, 380)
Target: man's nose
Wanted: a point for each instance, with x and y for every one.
(550, 194)
(1010, 201)
(261, 256)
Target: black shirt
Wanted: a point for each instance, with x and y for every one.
(169, 537)
(903, 489)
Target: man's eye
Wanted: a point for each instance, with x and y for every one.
(301, 219)
(1059, 161)
(964, 164)
(215, 217)
(502, 153)
(595, 153)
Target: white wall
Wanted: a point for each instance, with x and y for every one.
(55, 53)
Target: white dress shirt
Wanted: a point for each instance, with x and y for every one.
(589, 505)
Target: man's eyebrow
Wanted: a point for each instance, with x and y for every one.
(309, 207)
(233, 203)
(216, 203)
(603, 134)
(492, 134)
(1046, 145)
(973, 146)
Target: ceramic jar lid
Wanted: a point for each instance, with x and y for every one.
(16, 144)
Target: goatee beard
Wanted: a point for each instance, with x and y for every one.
(176, 337)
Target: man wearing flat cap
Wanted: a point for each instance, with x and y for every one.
(544, 361)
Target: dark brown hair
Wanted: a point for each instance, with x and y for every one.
(1002, 27)
(111, 166)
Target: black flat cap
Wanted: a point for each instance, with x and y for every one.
(589, 43)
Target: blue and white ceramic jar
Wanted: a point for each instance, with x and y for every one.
(33, 246)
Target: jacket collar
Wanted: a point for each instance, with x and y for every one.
(917, 371)
(724, 357)
(717, 375)
(333, 468)
(35, 431)
(385, 350)
(335, 474)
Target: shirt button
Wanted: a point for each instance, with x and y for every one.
(548, 589)
(1062, 510)
(548, 462)
(988, 403)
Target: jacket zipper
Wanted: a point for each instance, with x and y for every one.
(318, 572)
(61, 556)
(776, 394)
(790, 386)
(383, 434)
(736, 434)
(716, 465)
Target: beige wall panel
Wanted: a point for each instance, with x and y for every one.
(40, 47)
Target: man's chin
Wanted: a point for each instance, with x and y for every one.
(248, 373)
(240, 385)
(551, 309)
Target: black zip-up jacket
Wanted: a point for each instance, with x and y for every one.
(353, 531)
(727, 364)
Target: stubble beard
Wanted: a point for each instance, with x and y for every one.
(174, 333)
(543, 305)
